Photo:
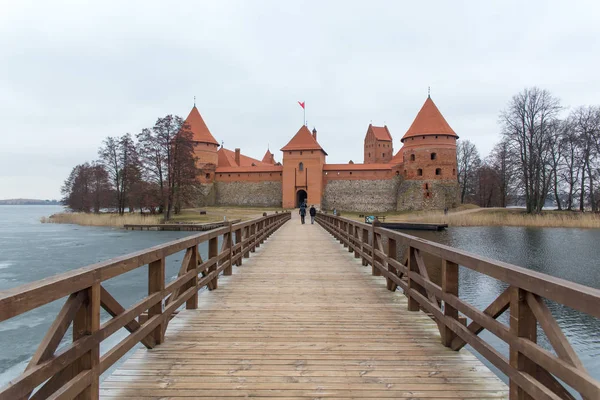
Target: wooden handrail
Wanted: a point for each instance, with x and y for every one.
(534, 372)
(74, 370)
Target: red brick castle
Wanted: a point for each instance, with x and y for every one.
(421, 175)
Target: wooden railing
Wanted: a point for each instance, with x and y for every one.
(74, 371)
(533, 371)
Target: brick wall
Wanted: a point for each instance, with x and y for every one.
(256, 194)
(361, 195)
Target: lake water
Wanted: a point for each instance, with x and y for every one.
(571, 254)
(30, 251)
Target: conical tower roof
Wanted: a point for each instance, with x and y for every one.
(199, 128)
(429, 121)
(269, 157)
(303, 140)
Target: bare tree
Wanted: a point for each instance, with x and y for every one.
(585, 125)
(501, 160)
(468, 162)
(119, 157)
(87, 188)
(526, 125)
(167, 153)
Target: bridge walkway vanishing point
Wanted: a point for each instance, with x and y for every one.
(302, 318)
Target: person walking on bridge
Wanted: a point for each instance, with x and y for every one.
(312, 212)
(302, 212)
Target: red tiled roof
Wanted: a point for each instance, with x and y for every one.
(258, 168)
(269, 158)
(381, 132)
(356, 167)
(226, 158)
(303, 140)
(398, 158)
(429, 121)
(199, 128)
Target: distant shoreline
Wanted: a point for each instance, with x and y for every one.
(29, 202)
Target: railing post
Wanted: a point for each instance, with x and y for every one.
(246, 236)
(227, 241)
(523, 324)
(450, 287)
(364, 243)
(413, 268)
(357, 244)
(374, 245)
(391, 253)
(350, 237)
(238, 240)
(259, 226)
(213, 251)
(192, 302)
(86, 322)
(253, 237)
(156, 283)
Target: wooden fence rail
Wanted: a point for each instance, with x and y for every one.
(533, 371)
(74, 371)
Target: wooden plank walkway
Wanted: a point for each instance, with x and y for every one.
(302, 319)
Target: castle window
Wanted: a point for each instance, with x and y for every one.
(436, 136)
(397, 173)
(300, 153)
(438, 171)
(229, 175)
(412, 157)
(369, 154)
(426, 186)
(290, 152)
(301, 167)
(382, 154)
(350, 172)
(239, 174)
(420, 172)
(453, 171)
(207, 176)
(312, 152)
(433, 156)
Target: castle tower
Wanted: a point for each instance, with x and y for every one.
(303, 160)
(379, 148)
(205, 145)
(429, 146)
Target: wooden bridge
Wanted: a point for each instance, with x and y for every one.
(301, 316)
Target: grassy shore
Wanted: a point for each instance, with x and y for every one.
(474, 216)
(193, 216)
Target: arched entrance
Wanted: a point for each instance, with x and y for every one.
(300, 197)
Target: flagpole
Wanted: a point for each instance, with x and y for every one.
(304, 109)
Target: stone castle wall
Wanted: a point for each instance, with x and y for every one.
(255, 194)
(205, 195)
(426, 195)
(361, 195)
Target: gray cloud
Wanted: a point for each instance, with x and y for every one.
(73, 73)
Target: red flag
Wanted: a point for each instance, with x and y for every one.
(301, 104)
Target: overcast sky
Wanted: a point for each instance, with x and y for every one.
(73, 73)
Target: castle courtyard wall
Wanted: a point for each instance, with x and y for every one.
(360, 195)
(247, 193)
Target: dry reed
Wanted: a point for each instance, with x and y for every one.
(508, 218)
(104, 219)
